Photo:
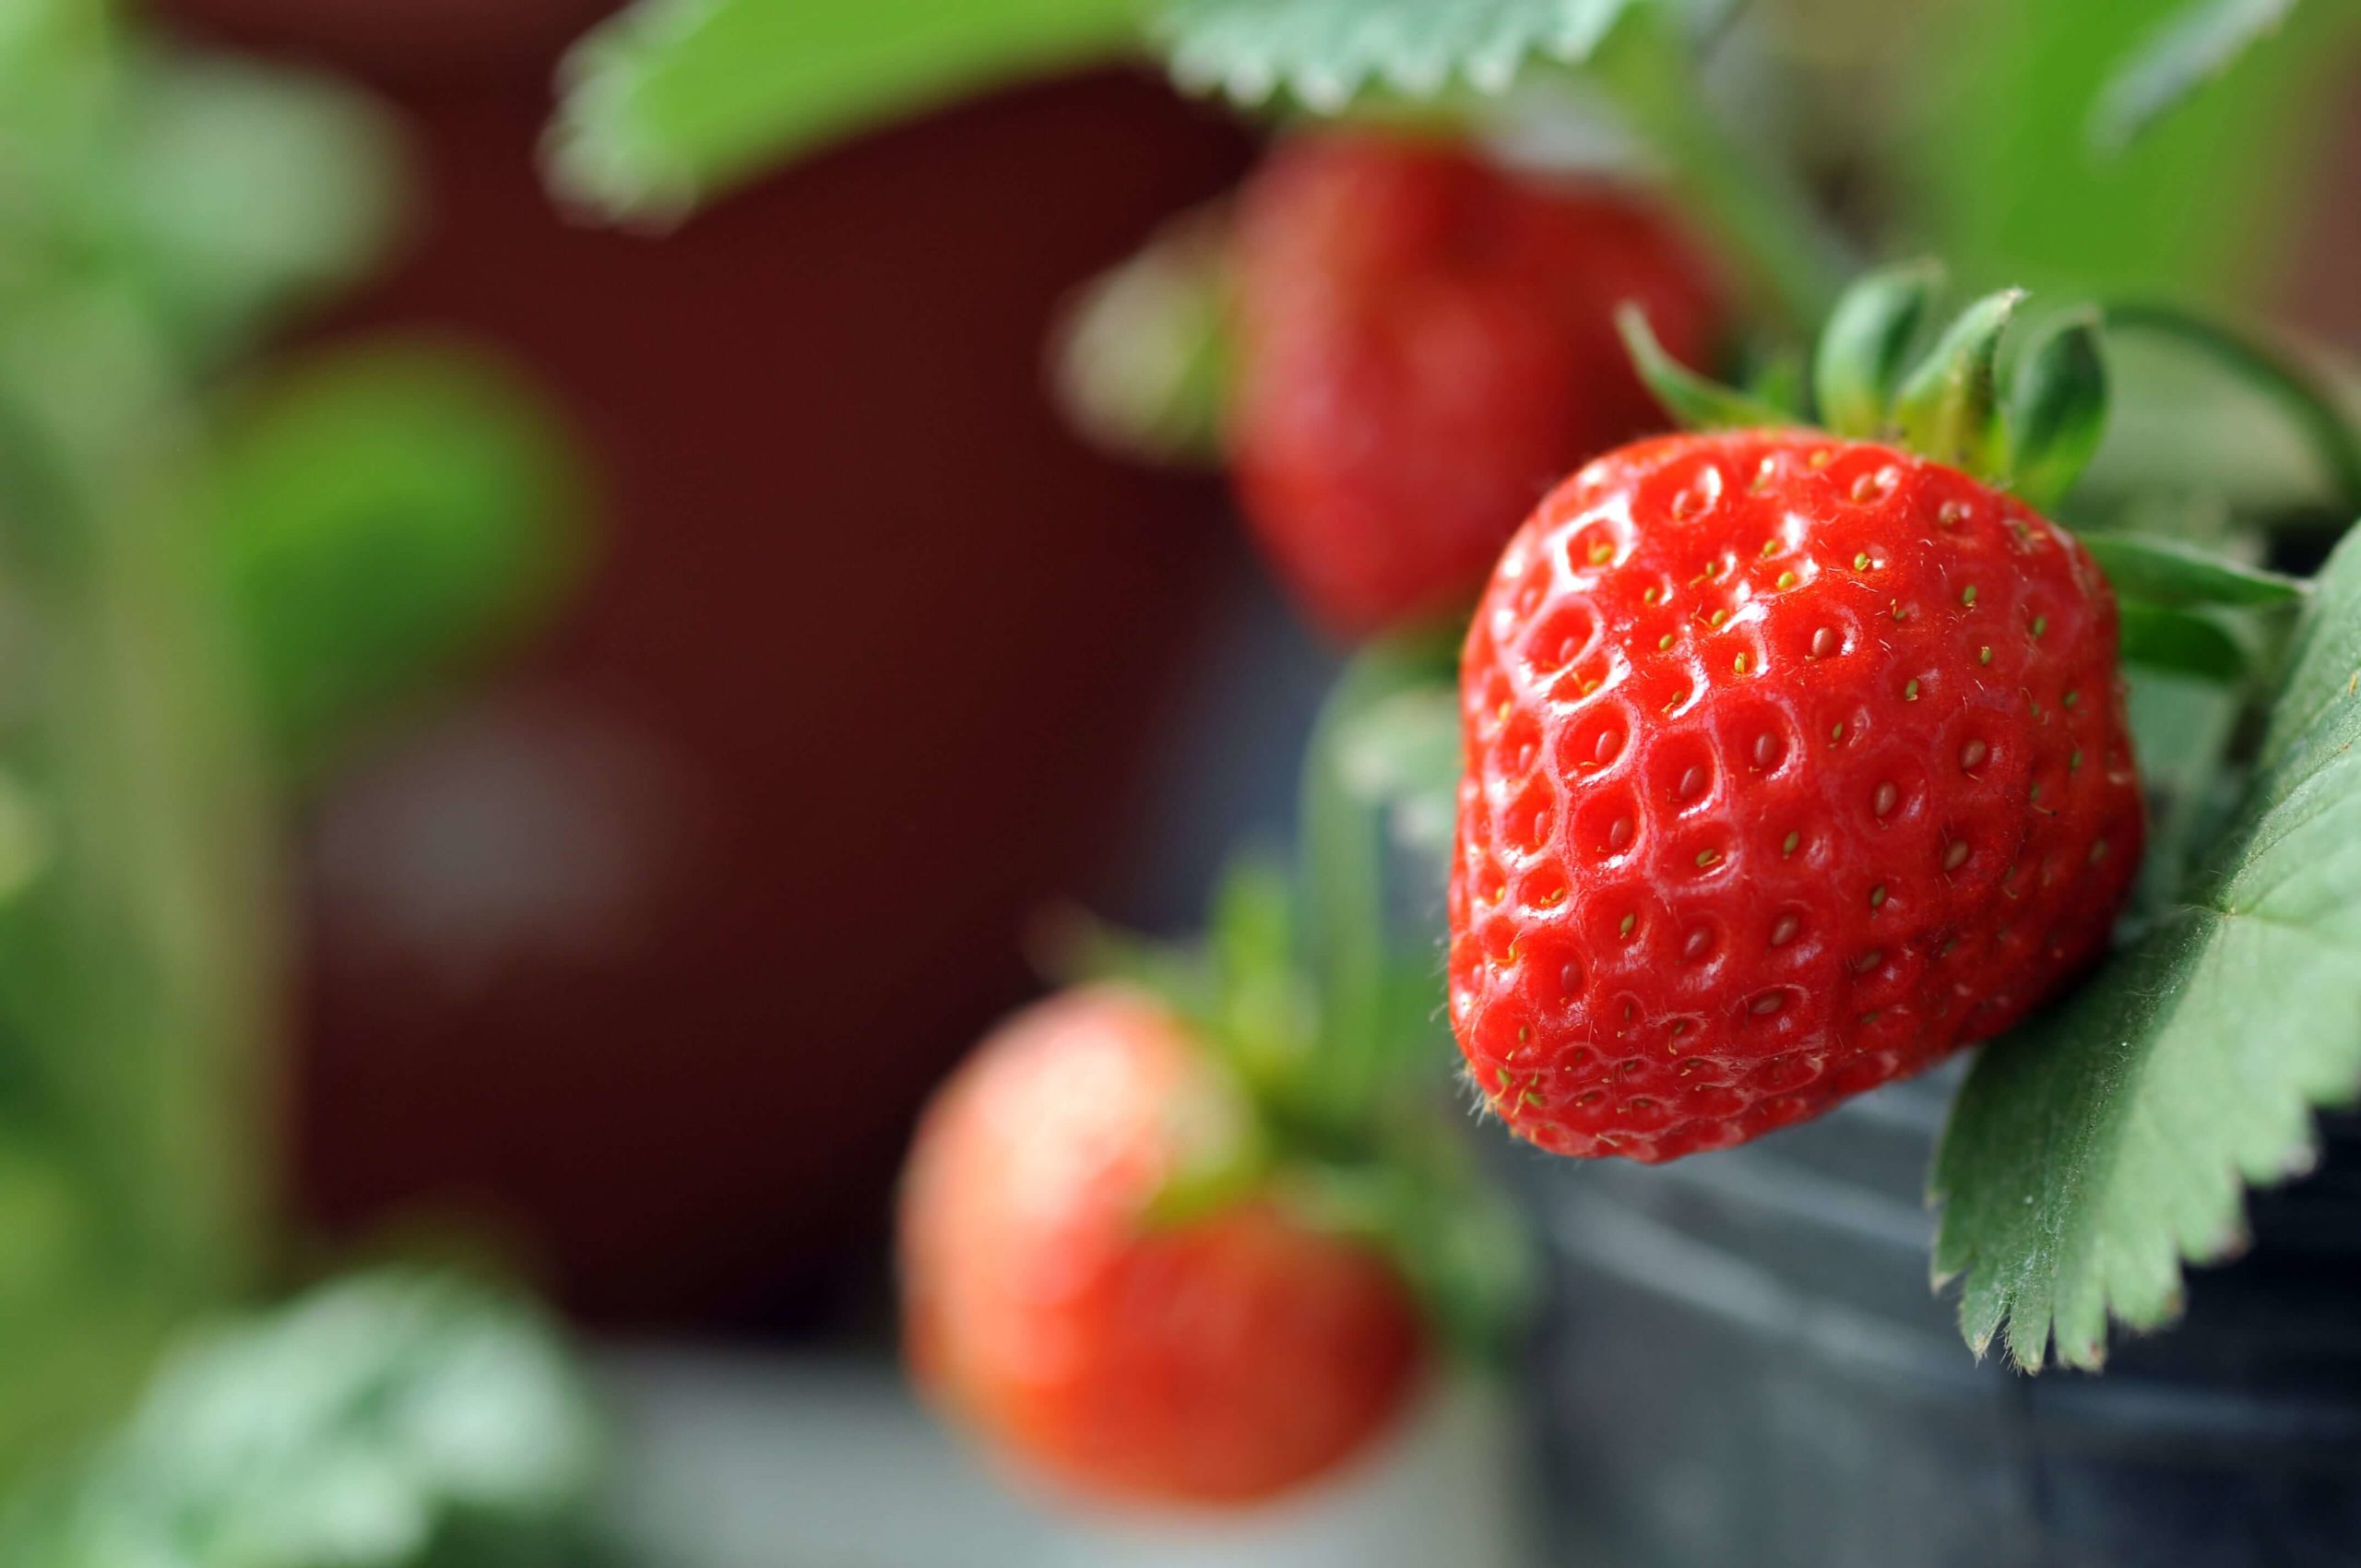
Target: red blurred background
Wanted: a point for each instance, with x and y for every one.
(647, 956)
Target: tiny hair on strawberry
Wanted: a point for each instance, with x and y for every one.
(1795, 753)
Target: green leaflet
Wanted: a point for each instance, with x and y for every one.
(2182, 642)
(1695, 401)
(1326, 50)
(393, 1419)
(2165, 571)
(387, 512)
(2095, 1150)
(2203, 207)
(2197, 43)
(673, 98)
(243, 192)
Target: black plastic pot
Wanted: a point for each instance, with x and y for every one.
(1744, 1366)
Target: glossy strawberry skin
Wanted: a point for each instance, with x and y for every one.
(1793, 764)
(1218, 1361)
(1425, 345)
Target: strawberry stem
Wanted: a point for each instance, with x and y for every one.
(1346, 950)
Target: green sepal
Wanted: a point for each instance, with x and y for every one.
(2057, 410)
(2181, 642)
(1693, 401)
(1241, 991)
(1867, 344)
(1263, 1013)
(1230, 1169)
(1779, 382)
(1461, 1248)
(1074, 947)
(1948, 407)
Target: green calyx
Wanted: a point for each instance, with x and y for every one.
(1324, 1029)
(1871, 380)
(1289, 1120)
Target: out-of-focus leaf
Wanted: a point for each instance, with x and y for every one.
(2094, 1151)
(54, 54)
(386, 514)
(2305, 395)
(2165, 572)
(2199, 43)
(2178, 428)
(243, 189)
(1143, 357)
(2181, 642)
(1459, 1244)
(674, 99)
(79, 1322)
(392, 1420)
(1324, 52)
(2002, 187)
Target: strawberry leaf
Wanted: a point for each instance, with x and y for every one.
(2095, 1151)
(2163, 571)
(2196, 44)
(2182, 642)
(672, 99)
(1326, 52)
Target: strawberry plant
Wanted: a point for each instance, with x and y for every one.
(1906, 705)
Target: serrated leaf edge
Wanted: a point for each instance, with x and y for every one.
(1212, 61)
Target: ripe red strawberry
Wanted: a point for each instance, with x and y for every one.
(1794, 763)
(1220, 1360)
(1424, 344)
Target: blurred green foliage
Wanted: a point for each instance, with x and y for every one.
(2198, 41)
(2000, 178)
(672, 100)
(393, 1420)
(164, 562)
(359, 572)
